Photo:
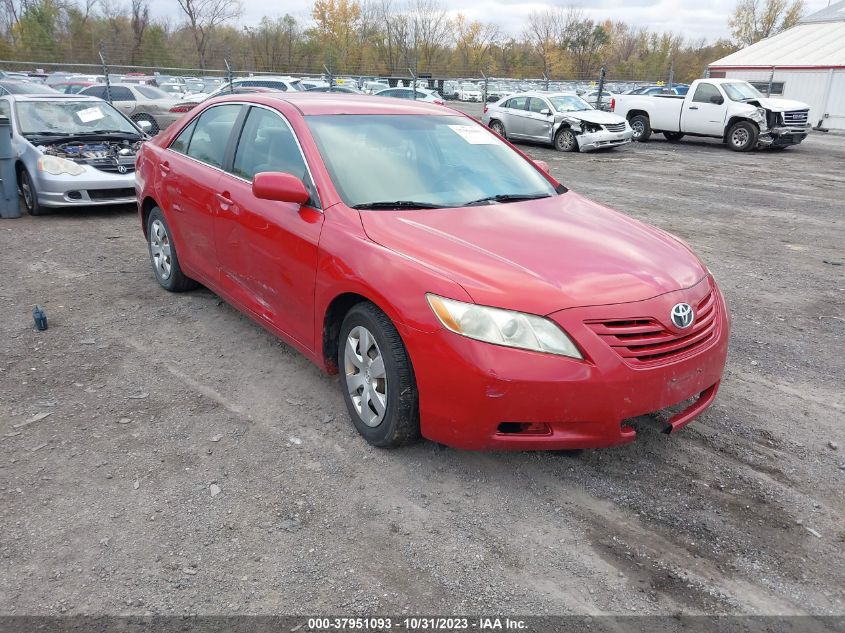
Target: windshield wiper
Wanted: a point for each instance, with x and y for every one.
(398, 204)
(507, 197)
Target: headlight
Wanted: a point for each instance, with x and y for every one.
(591, 127)
(503, 327)
(58, 166)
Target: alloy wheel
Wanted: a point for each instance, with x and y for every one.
(160, 249)
(366, 378)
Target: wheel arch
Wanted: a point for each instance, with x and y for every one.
(333, 316)
(632, 113)
(147, 207)
(733, 121)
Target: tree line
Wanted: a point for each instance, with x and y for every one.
(372, 37)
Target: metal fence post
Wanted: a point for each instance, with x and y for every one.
(484, 96)
(546, 81)
(601, 87)
(229, 75)
(771, 80)
(106, 75)
(413, 84)
(9, 205)
(330, 75)
(671, 74)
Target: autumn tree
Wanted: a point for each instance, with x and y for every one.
(583, 39)
(473, 41)
(336, 24)
(754, 20)
(204, 16)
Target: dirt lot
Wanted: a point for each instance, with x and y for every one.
(107, 505)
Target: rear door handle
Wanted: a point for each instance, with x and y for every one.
(164, 167)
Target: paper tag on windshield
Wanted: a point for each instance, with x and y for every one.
(474, 134)
(90, 114)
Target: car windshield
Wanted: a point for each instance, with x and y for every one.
(24, 87)
(151, 92)
(569, 103)
(70, 118)
(741, 91)
(429, 160)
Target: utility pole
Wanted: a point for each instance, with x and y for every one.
(601, 87)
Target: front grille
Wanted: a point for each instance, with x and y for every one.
(645, 341)
(111, 194)
(796, 117)
(615, 127)
(109, 165)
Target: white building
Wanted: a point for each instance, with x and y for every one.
(805, 63)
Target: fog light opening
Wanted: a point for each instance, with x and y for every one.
(74, 195)
(525, 428)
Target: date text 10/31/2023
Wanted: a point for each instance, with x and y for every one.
(417, 624)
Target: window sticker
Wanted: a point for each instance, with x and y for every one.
(90, 114)
(474, 134)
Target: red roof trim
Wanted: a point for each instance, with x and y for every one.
(777, 67)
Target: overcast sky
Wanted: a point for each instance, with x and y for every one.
(693, 18)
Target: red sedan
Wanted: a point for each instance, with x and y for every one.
(460, 291)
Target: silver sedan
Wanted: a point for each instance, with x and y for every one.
(563, 120)
(71, 151)
(140, 103)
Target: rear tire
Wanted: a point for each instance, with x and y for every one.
(673, 137)
(377, 378)
(742, 137)
(163, 256)
(498, 128)
(641, 126)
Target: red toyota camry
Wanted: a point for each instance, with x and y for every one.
(461, 292)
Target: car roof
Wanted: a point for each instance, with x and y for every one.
(311, 103)
(58, 96)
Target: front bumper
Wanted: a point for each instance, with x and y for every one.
(468, 389)
(93, 188)
(590, 141)
(783, 136)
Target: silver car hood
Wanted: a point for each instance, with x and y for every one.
(592, 116)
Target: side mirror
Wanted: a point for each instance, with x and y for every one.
(717, 99)
(545, 111)
(543, 166)
(145, 126)
(274, 185)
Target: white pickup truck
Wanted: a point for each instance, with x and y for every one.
(729, 109)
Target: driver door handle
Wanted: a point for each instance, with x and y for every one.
(693, 107)
(164, 167)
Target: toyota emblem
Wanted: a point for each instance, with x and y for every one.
(682, 315)
(121, 169)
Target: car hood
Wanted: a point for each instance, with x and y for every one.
(593, 116)
(781, 105)
(540, 256)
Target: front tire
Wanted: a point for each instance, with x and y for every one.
(566, 141)
(154, 129)
(163, 256)
(641, 127)
(377, 378)
(742, 137)
(29, 193)
(498, 128)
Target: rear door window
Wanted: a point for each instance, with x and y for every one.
(211, 134)
(518, 103)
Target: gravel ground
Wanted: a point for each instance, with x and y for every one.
(163, 454)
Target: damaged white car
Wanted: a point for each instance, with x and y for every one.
(563, 120)
(71, 151)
